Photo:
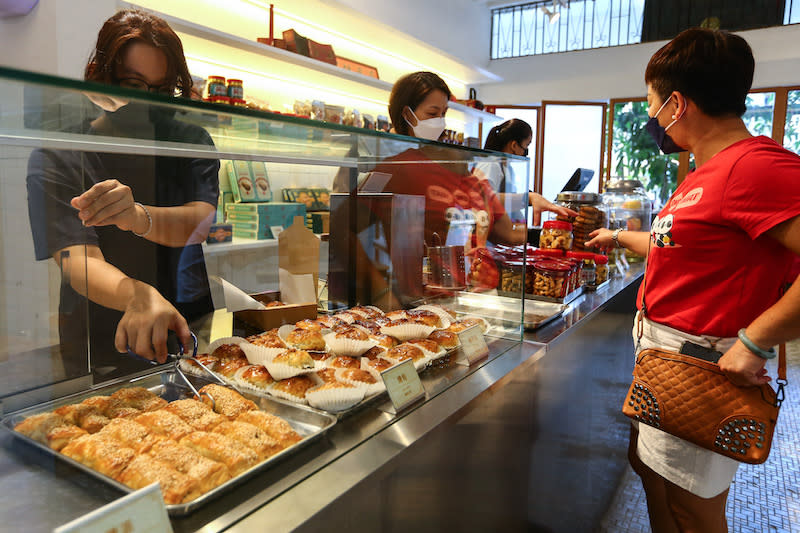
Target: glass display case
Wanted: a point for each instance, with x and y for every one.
(113, 198)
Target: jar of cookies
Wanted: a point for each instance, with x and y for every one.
(550, 279)
(556, 234)
(592, 215)
(511, 276)
(575, 265)
(629, 208)
(602, 268)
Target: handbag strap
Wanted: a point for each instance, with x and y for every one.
(781, 381)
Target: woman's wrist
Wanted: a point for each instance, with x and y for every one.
(753, 347)
(143, 221)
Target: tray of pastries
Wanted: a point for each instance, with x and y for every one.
(334, 362)
(131, 434)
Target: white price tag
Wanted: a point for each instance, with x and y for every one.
(473, 345)
(142, 510)
(276, 230)
(403, 384)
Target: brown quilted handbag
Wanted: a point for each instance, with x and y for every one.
(692, 399)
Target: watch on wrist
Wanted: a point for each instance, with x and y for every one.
(615, 237)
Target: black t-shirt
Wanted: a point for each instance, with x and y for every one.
(179, 273)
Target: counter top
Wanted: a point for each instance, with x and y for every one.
(42, 493)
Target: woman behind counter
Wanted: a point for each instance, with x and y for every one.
(135, 222)
(717, 257)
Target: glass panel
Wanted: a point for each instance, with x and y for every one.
(634, 154)
(758, 117)
(572, 139)
(61, 138)
(791, 134)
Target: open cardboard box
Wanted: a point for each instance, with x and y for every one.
(275, 317)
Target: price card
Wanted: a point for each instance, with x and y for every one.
(139, 511)
(473, 345)
(276, 230)
(403, 384)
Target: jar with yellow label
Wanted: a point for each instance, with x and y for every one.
(556, 234)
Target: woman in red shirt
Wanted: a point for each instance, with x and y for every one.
(717, 257)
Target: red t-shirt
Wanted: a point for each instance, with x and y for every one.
(461, 209)
(711, 268)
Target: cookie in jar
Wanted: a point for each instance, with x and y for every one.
(550, 279)
(556, 234)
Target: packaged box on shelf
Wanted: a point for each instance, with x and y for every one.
(225, 198)
(319, 222)
(249, 181)
(275, 317)
(218, 233)
(247, 234)
(314, 198)
(265, 214)
(258, 171)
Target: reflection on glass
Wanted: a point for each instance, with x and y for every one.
(791, 132)
(634, 154)
(572, 139)
(758, 117)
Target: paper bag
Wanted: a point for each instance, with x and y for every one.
(298, 261)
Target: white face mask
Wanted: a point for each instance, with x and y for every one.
(430, 129)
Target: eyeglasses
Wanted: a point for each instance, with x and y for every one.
(136, 83)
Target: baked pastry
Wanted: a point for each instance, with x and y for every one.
(424, 316)
(275, 303)
(196, 414)
(405, 329)
(129, 434)
(228, 367)
(445, 339)
(382, 320)
(402, 352)
(350, 332)
(295, 358)
(295, 386)
(367, 325)
(38, 426)
(309, 324)
(426, 344)
(305, 339)
(375, 351)
(318, 356)
(344, 316)
(274, 426)
(380, 364)
(164, 423)
(207, 473)
(227, 402)
(100, 453)
(60, 436)
(228, 351)
(367, 312)
(396, 315)
(269, 339)
(138, 398)
(192, 365)
(255, 376)
(233, 454)
(123, 411)
(251, 436)
(329, 321)
(384, 340)
(327, 374)
(175, 487)
(344, 361)
(356, 374)
(468, 322)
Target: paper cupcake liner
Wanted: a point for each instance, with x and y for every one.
(444, 317)
(225, 340)
(337, 399)
(342, 346)
(406, 332)
(237, 377)
(280, 371)
(419, 364)
(286, 396)
(260, 355)
(368, 330)
(441, 352)
(379, 342)
(370, 389)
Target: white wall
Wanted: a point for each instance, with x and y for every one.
(616, 72)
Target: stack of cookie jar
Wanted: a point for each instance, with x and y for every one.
(592, 215)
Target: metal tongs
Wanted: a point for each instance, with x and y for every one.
(175, 360)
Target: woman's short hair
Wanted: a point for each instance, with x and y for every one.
(713, 68)
(510, 130)
(133, 25)
(411, 90)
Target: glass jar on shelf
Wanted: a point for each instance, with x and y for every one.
(629, 208)
(556, 234)
(592, 215)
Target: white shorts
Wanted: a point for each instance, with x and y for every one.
(700, 471)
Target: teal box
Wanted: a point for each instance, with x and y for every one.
(218, 233)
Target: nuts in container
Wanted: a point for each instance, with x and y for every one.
(511, 276)
(550, 279)
(556, 234)
(602, 268)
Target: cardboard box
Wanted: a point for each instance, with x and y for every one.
(319, 222)
(242, 186)
(218, 233)
(314, 198)
(275, 317)
(321, 52)
(265, 214)
(355, 66)
(296, 42)
(258, 172)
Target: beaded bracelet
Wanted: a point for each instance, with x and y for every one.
(766, 354)
(149, 222)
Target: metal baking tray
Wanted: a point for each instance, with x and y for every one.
(507, 309)
(310, 423)
(565, 300)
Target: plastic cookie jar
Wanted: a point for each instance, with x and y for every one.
(592, 215)
(629, 208)
(556, 234)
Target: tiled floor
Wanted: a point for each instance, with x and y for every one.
(763, 498)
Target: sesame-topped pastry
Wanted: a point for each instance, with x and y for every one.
(129, 434)
(375, 351)
(223, 449)
(383, 340)
(164, 423)
(402, 352)
(100, 453)
(308, 324)
(293, 388)
(138, 398)
(251, 436)
(206, 472)
(329, 321)
(306, 339)
(344, 361)
(367, 325)
(276, 427)
(424, 316)
(175, 487)
(445, 339)
(39, 425)
(295, 358)
(196, 414)
(227, 402)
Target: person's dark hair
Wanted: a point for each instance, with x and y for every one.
(713, 68)
(411, 90)
(132, 25)
(510, 130)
